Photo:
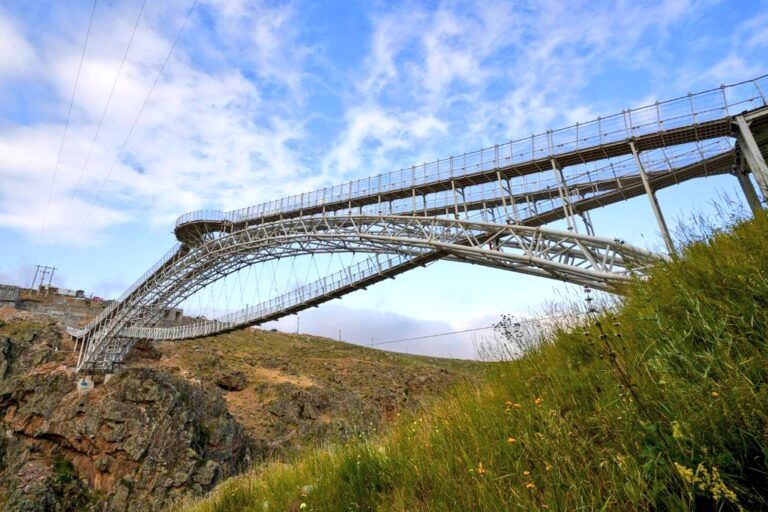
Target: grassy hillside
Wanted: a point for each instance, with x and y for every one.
(660, 406)
(291, 391)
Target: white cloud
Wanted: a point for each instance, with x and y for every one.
(205, 139)
(17, 56)
(363, 326)
(481, 72)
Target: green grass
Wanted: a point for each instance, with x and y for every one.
(662, 405)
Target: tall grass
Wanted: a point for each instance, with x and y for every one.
(661, 404)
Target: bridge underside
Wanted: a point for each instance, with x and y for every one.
(484, 208)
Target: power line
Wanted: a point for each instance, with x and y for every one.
(432, 335)
(138, 116)
(521, 321)
(101, 120)
(66, 124)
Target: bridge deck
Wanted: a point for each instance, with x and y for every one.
(693, 118)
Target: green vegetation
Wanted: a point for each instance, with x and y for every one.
(661, 405)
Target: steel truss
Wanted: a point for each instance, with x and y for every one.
(598, 262)
(483, 208)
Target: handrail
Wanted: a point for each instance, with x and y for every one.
(710, 105)
(299, 295)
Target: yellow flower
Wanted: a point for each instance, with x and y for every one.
(530, 485)
(480, 469)
(548, 467)
(677, 431)
(537, 401)
(511, 440)
(526, 473)
(715, 394)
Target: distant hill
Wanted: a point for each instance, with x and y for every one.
(183, 416)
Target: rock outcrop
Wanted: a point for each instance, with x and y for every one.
(183, 416)
(138, 442)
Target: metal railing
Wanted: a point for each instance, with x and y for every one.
(693, 109)
(251, 314)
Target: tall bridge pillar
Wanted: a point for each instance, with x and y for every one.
(751, 152)
(654, 201)
(742, 174)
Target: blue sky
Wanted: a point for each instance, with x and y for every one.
(264, 99)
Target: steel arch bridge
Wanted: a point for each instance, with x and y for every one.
(488, 207)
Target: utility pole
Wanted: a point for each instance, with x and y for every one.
(43, 271)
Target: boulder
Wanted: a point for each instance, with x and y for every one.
(231, 381)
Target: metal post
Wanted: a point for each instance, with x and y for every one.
(453, 188)
(751, 152)
(50, 278)
(501, 192)
(34, 279)
(746, 186)
(563, 190)
(654, 202)
(587, 219)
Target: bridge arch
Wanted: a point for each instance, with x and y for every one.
(404, 242)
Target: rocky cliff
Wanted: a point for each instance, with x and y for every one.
(137, 442)
(183, 416)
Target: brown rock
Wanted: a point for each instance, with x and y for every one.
(231, 381)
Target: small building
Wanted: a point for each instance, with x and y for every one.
(78, 294)
(9, 295)
(173, 314)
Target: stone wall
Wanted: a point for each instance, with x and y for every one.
(67, 310)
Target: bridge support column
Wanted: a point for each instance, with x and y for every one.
(587, 219)
(751, 152)
(742, 174)
(654, 202)
(565, 196)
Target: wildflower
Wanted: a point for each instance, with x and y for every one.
(685, 473)
(511, 440)
(480, 469)
(537, 401)
(548, 467)
(715, 394)
(677, 432)
(530, 485)
(303, 506)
